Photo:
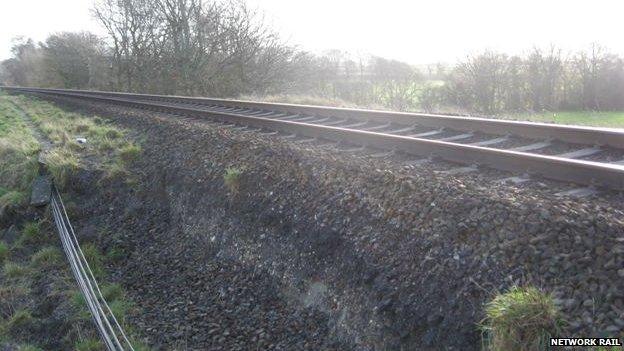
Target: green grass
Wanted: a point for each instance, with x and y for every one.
(18, 161)
(62, 163)
(585, 118)
(12, 198)
(232, 178)
(129, 152)
(95, 259)
(14, 270)
(46, 257)
(106, 147)
(31, 234)
(19, 320)
(115, 254)
(520, 319)
(120, 309)
(112, 292)
(27, 347)
(88, 345)
(4, 251)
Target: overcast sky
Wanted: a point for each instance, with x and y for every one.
(412, 31)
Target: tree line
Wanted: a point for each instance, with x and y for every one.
(222, 48)
(542, 80)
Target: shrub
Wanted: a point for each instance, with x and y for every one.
(520, 319)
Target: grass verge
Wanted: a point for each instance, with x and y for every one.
(78, 141)
(18, 157)
(585, 118)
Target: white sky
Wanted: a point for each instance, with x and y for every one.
(412, 31)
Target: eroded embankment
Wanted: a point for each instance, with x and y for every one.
(362, 250)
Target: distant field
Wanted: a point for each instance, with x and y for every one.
(586, 118)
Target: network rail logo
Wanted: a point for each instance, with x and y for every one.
(585, 342)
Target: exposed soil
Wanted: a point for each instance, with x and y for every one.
(315, 249)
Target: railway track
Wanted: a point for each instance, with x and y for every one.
(590, 157)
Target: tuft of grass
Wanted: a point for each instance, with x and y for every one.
(12, 198)
(95, 259)
(112, 292)
(11, 296)
(62, 164)
(115, 254)
(90, 344)
(129, 153)
(116, 170)
(520, 319)
(232, 179)
(120, 309)
(14, 270)
(20, 320)
(31, 234)
(4, 251)
(46, 257)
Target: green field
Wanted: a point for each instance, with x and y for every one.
(585, 118)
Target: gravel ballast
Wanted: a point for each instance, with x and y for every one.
(319, 249)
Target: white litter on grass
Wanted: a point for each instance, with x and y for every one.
(81, 140)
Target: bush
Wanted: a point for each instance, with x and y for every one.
(520, 319)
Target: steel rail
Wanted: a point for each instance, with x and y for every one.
(571, 134)
(550, 167)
